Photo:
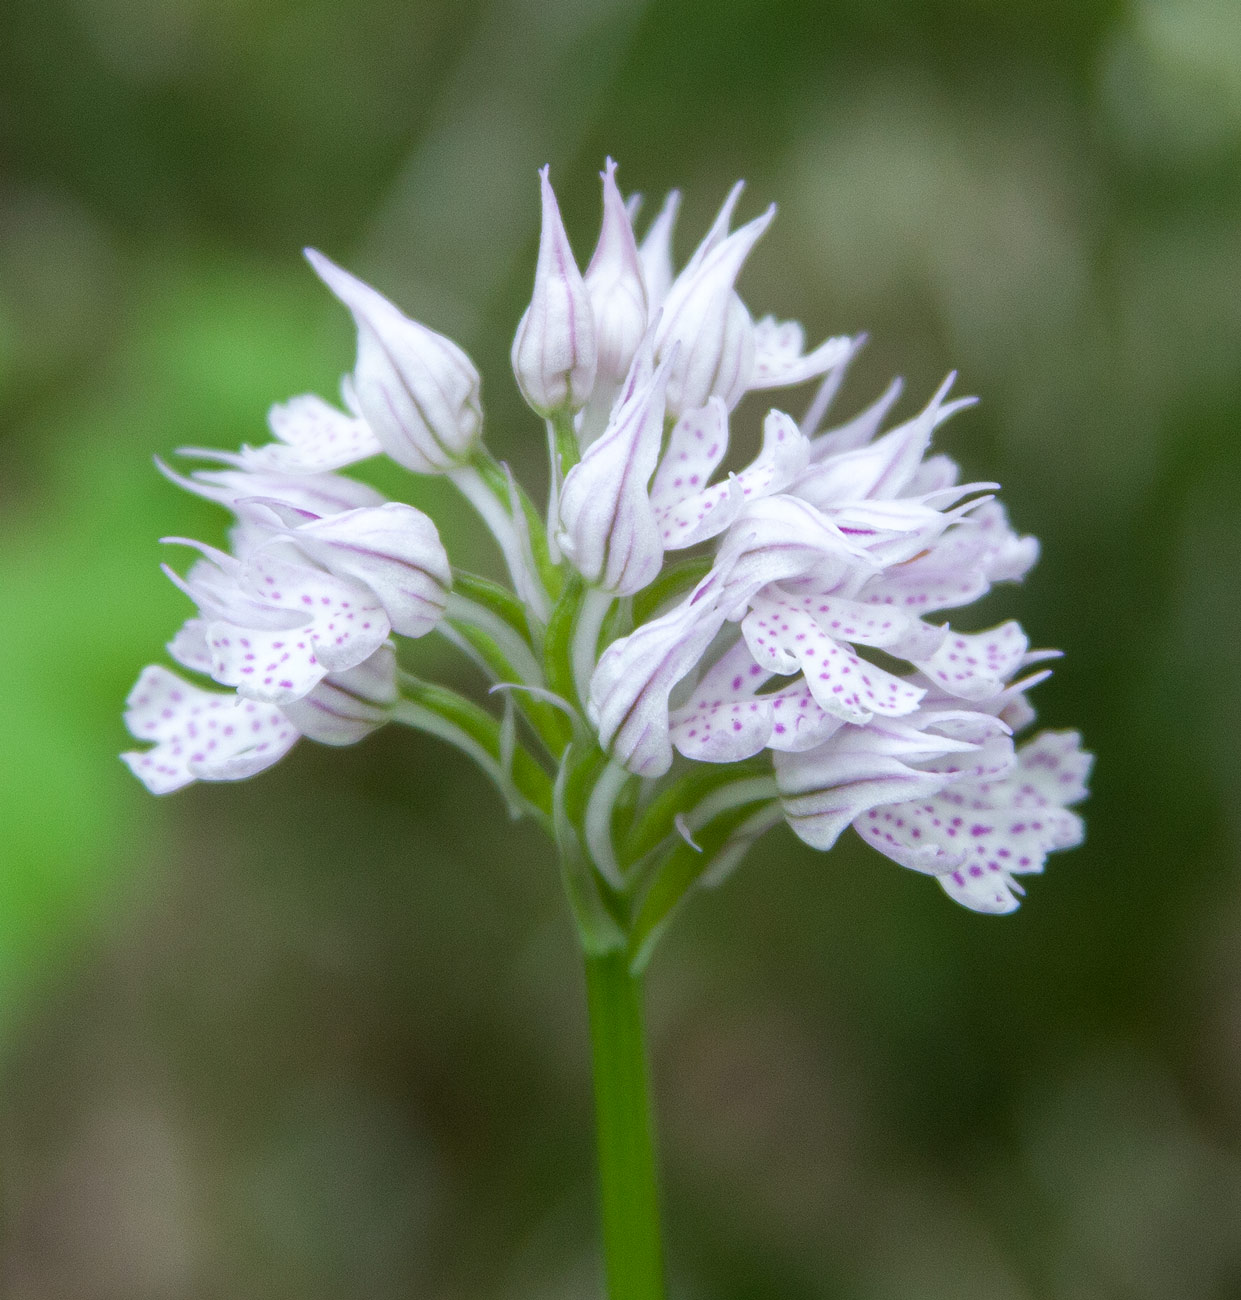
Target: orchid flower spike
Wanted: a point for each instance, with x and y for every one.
(684, 657)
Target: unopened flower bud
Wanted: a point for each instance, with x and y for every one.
(706, 317)
(416, 389)
(609, 526)
(615, 286)
(554, 355)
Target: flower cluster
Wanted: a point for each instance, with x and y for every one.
(665, 623)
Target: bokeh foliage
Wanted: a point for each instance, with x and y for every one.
(320, 1034)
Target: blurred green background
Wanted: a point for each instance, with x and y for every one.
(320, 1035)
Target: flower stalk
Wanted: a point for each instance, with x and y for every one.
(628, 1177)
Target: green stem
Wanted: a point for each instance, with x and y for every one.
(629, 1193)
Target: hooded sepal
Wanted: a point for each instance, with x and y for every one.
(345, 707)
(416, 389)
(395, 551)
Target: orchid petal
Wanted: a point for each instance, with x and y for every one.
(799, 721)
(198, 734)
(214, 584)
(896, 532)
(276, 627)
(976, 835)
(696, 445)
(880, 469)
(822, 790)
(785, 639)
(1054, 768)
(780, 538)
(860, 430)
(718, 232)
(628, 699)
(960, 566)
(319, 494)
(722, 722)
(974, 666)
(721, 730)
(189, 647)
(709, 321)
(934, 475)
(778, 354)
(313, 437)
(277, 668)
(718, 724)
(346, 622)
(734, 672)
(899, 633)
(707, 513)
